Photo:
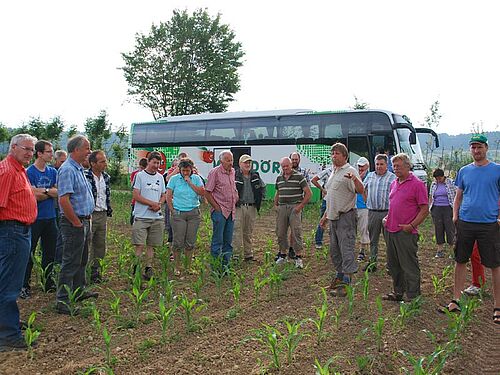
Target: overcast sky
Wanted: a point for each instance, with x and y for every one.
(62, 57)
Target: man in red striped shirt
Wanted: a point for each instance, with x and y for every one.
(18, 210)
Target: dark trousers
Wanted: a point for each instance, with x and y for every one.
(59, 244)
(318, 237)
(15, 244)
(46, 231)
(442, 216)
(402, 262)
(74, 257)
(375, 227)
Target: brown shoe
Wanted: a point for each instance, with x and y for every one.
(340, 291)
(335, 283)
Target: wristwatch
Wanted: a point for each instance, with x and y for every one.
(46, 191)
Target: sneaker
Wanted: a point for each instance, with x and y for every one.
(439, 254)
(63, 309)
(25, 293)
(318, 246)
(339, 291)
(281, 259)
(361, 257)
(148, 273)
(472, 290)
(15, 345)
(298, 262)
(335, 283)
(291, 253)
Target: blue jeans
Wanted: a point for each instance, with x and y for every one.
(46, 230)
(222, 237)
(318, 238)
(74, 258)
(15, 244)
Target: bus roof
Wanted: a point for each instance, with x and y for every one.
(254, 114)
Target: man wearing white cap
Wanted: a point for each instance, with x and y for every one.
(363, 166)
(251, 190)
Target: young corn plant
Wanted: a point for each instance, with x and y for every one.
(31, 334)
(336, 316)
(259, 281)
(275, 281)
(349, 288)
(165, 317)
(292, 338)
(270, 337)
(114, 304)
(236, 290)
(366, 285)
(104, 264)
(364, 363)
(458, 322)
(187, 306)
(72, 299)
(324, 369)
(44, 273)
(217, 274)
(439, 283)
(97, 318)
(110, 361)
(137, 296)
(197, 285)
(378, 327)
(407, 311)
(322, 312)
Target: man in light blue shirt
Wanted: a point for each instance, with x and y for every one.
(77, 204)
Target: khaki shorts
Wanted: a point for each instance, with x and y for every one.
(148, 231)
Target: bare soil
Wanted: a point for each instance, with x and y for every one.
(220, 342)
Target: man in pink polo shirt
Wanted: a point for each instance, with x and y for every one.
(408, 207)
(222, 195)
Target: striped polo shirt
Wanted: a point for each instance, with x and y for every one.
(291, 190)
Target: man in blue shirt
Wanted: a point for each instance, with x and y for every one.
(42, 178)
(477, 217)
(77, 204)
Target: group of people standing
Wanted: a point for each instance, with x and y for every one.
(74, 203)
(53, 205)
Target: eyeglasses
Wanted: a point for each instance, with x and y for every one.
(26, 149)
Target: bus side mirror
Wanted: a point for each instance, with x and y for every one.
(413, 138)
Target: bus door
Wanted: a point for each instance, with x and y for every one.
(358, 147)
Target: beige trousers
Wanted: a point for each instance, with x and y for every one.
(243, 230)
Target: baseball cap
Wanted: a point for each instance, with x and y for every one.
(362, 161)
(478, 138)
(244, 158)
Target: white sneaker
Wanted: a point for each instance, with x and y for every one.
(281, 260)
(299, 263)
(472, 290)
(318, 246)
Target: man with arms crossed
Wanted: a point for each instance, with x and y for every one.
(149, 195)
(477, 217)
(43, 179)
(17, 212)
(76, 204)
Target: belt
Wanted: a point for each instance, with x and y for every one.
(88, 217)
(247, 204)
(12, 222)
(378, 210)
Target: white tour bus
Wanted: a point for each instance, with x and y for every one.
(270, 135)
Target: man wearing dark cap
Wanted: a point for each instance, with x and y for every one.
(477, 218)
(251, 190)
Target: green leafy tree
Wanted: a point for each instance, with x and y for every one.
(118, 149)
(48, 130)
(359, 104)
(4, 133)
(98, 130)
(431, 121)
(186, 65)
